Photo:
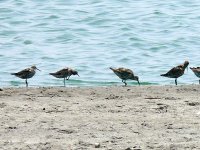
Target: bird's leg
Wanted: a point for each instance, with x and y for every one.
(125, 83)
(26, 83)
(199, 81)
(64, 82)
(176, 81)
(68, 78)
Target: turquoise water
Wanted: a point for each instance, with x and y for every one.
(147, 36)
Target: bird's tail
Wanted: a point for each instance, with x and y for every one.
(112, 68)
(13, 73)
(51, 74)
(163, 75)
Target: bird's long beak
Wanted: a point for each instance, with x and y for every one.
(78, 75)
(38, 69)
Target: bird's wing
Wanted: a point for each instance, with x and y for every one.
(175, 72)
(25, 71)
(60, 73)
(125, 72)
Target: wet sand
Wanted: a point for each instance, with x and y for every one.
(107, 118)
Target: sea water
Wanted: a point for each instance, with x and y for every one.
(147, 36)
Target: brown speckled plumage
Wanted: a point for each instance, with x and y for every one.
(177, 71)
(26, 73)
(196, 71)
(125, 74)
(64, 73)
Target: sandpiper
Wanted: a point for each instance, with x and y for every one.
(196, 72)
(26, 73)
(125, 74)
(64, 73)
(177, 71)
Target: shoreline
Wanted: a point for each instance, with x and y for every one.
(114, 117)
(99, 86)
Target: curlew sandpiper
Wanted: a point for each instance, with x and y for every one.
(26, 73)
(177, 71)
(64, 73)
(125, 74)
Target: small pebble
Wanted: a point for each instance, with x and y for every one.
(97, 145)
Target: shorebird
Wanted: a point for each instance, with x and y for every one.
(176, 72)
(196, 72)
(125, 74)
(64, 73)
(26, 73)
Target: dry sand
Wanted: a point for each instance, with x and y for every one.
(115, 118)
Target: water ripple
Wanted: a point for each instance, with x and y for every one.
(147, 36)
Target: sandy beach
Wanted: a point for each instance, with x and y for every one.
(107, 118)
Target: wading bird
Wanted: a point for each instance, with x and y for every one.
(64, 73)
(177, 71)
(125, 74)
(26, 73)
